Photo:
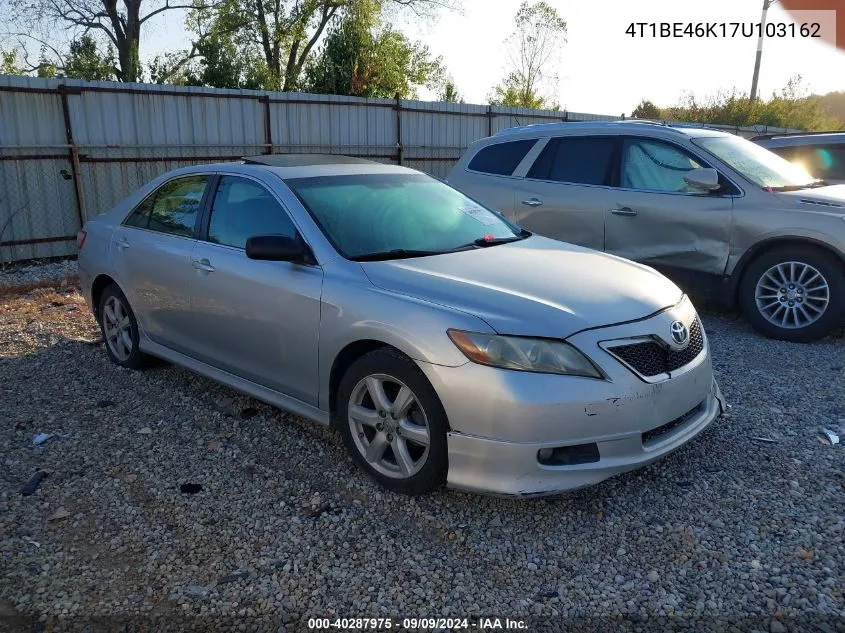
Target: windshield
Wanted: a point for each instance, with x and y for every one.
(397, 215)
(756, 163)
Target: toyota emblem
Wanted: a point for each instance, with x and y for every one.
(680, 334)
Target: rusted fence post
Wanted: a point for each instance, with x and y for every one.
(399, 148)
(74, 154)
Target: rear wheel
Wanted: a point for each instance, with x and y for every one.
(794, 293)
(120, 329)
(393, 423)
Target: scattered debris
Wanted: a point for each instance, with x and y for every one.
(832, 437)
(105, 403)
(225, 405)
(496, 522)
(195, 590)
(36, 543)
(130, 479)
(33, 482)
(96, 341)
(249, 413)
(233, 577)
(765, 439)
(314, 512)
(39, 439)
(145, 431)
(805, 554)
(214, 445)
(548, 593)
(60, 513)
(190, 489)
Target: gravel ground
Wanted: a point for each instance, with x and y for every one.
(728, 531)
(12, 275)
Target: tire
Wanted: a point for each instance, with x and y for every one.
(399, 459)
(121, 343)
(812, 279)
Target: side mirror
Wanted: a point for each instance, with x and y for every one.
(277, 248)
(703, 178)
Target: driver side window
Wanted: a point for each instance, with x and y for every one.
(242, 208)
(655, 166)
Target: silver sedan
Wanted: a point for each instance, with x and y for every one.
(446, 344)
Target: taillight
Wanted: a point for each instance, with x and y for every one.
(80, 239)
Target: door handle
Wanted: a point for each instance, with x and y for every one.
(123, 243)
(204, 265)
(532, 202)
(626, 211)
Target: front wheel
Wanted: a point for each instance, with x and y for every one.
(392, 422)
(794, 294)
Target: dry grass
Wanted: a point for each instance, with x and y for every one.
(16, 290)
(34, 316)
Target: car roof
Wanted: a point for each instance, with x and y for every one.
(287, 166)
(801, 139)
(630, 126)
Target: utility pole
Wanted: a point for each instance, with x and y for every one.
(766, 5)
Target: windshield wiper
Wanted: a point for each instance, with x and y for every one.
(396, 253)
(810, 185)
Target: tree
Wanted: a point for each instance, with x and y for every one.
(449, 93)
(119, 22)
(534, 49)
(284, 33)
(9, 63)
(791, 108)
(646, 110)
(84, 61)
(362, 58)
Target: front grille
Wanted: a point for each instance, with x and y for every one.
(652, 358)
(656, 435)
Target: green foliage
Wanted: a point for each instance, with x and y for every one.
(449, 93)
(791, 107)
(9, 64)
(534, 49)
(833, 104)
(362, 58)
(647, 110)
(85, 61)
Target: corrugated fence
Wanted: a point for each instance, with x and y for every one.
(71, 149)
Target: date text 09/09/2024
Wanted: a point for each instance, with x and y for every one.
(723, 29)
(418, 624)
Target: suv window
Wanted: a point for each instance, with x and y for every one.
(242, 209)
(655, 166)
(172, 208)
(577, 159)
(502, 158)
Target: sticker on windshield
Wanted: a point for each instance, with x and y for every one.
(479, 213)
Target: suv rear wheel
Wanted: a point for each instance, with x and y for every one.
(794, 293)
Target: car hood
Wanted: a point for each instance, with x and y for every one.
(533, 287)
(831, 199)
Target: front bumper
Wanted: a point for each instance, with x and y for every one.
(484, 465)
(501, 419)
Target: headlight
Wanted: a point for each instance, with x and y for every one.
(523, 354)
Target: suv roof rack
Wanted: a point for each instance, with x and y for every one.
(761, 137)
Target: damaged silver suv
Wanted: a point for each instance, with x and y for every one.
(724, 217)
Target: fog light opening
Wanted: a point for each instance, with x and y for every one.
(569, 455)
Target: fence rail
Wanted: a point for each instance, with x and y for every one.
(70, 149)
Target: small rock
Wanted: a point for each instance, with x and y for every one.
(776, 626)
(653, 576)
(145, 431)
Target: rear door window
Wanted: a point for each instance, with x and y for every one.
(501, 159)
(577, 159)
(173, 208)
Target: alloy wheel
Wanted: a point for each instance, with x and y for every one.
(389, 426)
(792, 295)
(117, 328)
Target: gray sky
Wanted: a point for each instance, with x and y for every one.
(602, 70)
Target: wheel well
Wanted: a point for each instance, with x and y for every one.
(343, 360)
(757, 251)
(100, 283)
